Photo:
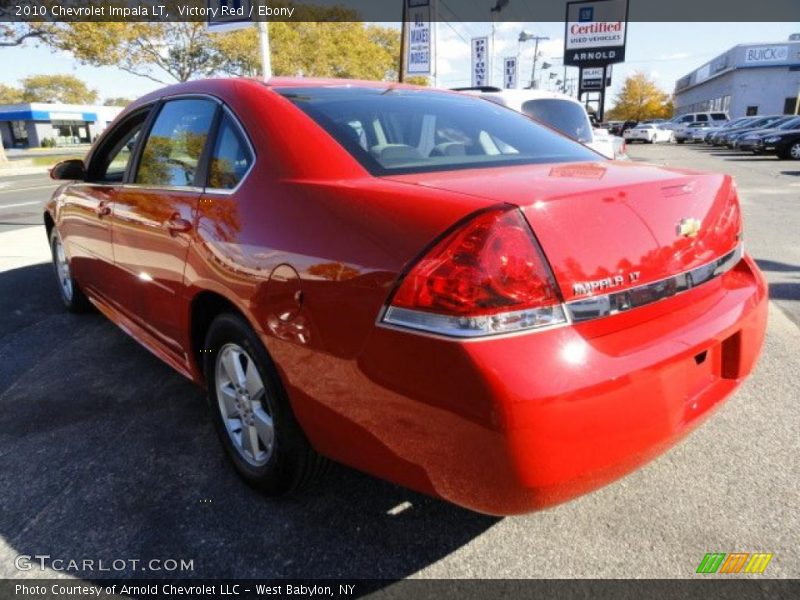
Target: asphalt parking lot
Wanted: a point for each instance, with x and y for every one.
(107, 454)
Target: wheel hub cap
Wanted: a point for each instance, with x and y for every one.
(244, 405)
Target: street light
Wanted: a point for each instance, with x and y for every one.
(524, 36)
(499, 5)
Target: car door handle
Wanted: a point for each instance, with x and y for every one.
(102, 210)
(177, 225)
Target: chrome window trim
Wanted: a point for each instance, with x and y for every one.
(605, 305)
(161, 188)
(243, 133)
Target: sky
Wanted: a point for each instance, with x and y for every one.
(663, 51)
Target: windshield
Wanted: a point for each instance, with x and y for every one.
(566, 116)
(763, 122)
(409, 131)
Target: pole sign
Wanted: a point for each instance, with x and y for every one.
(480, 61)
(510, 72)
(231, 15)
(418, 59)
(591, 79)
(595, 32)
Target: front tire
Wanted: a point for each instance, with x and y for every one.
(71, 294)
(794, 151)
(251, 411)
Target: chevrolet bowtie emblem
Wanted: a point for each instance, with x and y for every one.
(689, 227)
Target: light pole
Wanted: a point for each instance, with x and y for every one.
(524, 36)
(499, 5)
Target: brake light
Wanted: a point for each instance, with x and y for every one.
(487, 277)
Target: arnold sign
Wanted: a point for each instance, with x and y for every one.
(595, 32)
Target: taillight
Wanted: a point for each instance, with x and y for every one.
(487, 277)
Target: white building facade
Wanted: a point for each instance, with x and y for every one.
(748, 79)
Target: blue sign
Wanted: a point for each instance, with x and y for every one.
(586, 14)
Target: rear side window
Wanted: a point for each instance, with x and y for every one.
(702, 118)
(231, 158)
(567, 117)
(175, 144)
(409, 131)
(719, 117)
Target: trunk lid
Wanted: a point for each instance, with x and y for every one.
(608, 226)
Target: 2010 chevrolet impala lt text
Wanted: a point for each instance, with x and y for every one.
(421, 284)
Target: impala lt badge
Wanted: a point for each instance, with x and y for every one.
(689, 227)
(581, 288)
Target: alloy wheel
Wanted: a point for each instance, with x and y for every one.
(244, 405)
(794, 151)
(62, 269)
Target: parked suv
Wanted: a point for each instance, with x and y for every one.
(681, 121)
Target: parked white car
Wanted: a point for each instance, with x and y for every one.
(649, 133)
(557, 110)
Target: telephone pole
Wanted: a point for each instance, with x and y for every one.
(524, 36)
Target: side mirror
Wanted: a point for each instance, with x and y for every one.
(72, 169)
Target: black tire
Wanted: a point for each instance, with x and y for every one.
(68, 288)
(793, 151)
(292, 463)
(680, 140)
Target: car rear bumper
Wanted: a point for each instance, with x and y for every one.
(517, 423)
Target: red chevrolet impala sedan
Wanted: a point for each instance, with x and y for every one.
(420, 284)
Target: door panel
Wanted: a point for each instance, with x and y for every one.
(151, 237)
(85, 228)
(153, 218)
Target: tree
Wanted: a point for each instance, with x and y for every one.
(315, 49)
(56, 88)
(117, 101)
(10, 94)
(640, 98)
(331, 43)
(161, 52)
(16, 34)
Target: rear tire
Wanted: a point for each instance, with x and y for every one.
(251, 411)
(680, 140)
(793, 151)
(71, 294)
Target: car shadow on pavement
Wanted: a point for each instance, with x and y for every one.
(108, 454)
(782, 290)
(791, 173)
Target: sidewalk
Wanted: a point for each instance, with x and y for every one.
(23, 247)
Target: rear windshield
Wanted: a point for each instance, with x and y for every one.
(568, 117)
(412, 131)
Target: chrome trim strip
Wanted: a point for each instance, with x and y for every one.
(596, 307)
(473, 328)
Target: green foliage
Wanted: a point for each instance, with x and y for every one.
(328, 46)
(56, 88)
(10, 94)
(319, 49)
(117, 101)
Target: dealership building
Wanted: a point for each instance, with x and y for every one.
(748, 79)
(27, 125)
